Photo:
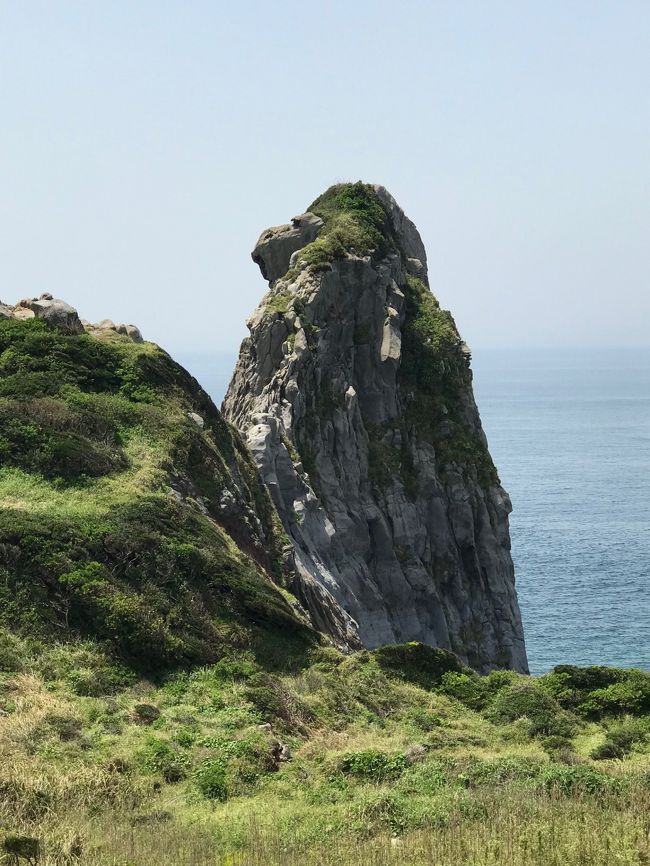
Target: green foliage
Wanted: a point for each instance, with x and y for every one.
(622, 737)
(161, 757)
(272, 699)
(500, 771)
(379, 754)
(92, 432)
(598, 692)
(534, 703)
(211, 781)
(417, 663)
(576, 779)
(435, 378)
(374, 765)
(475, 691)
(355, 222)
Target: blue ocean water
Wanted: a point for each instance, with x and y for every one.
(570, 434)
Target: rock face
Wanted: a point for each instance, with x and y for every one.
(354, 393)
(276, 245)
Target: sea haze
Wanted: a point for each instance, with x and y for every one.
(570, 434)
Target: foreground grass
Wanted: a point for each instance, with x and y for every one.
(430, 765)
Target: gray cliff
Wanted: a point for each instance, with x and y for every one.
(354, 393)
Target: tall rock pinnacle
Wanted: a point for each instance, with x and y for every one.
(354, 392)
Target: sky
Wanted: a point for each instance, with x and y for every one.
(145, 145)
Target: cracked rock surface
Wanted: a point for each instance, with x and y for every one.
(354, 393)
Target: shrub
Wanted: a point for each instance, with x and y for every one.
(12, 654)
(374, 765)
(596, 692)
(272, 699)
(159, 756)
(469, 688)
(576, 779)
(631, 696)
(417, 663)
(537, 705)
(145, 714)
(499, 771)
(210, 779)
(621, 738)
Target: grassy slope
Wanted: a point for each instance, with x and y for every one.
(150, 669)
(437, 768)
(92, 434)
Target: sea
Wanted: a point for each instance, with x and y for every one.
(569, 431)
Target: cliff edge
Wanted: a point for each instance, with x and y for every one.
(354, 394)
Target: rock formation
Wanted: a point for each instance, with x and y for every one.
(61, 316)
(354, 392)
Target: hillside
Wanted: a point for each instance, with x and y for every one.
(130, 511)
(165, 698)
(390, 757)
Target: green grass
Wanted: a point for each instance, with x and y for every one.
(387, 765)
(355, 223)
(93, 435)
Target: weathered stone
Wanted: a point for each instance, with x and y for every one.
(55, 312)
(196, 418)
(129, 331)
(276, 245)
(418, 551)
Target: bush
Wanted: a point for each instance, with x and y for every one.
(210, 779)
(621, 738)
(537, 705)
(632, 696)
(273, 700)
(12, 655)
(417, 663)
(374, 765)
(499, 771)
(595, 692)
(468, 688)
(576, 779)
(159, 756)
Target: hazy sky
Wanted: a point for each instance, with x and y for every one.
(145, 145)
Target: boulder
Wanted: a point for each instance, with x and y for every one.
(276, 245)
(55, 312)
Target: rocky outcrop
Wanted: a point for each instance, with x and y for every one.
(354, 392)
(61, 316)
(105, 325)
(56, 313)
(276, 245)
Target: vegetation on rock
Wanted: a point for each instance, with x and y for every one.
(111, 520)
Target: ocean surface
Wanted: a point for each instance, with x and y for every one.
(570, 434)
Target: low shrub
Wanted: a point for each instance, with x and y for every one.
(576, 779)
(621, 739)
(499, 771)
(597, 692)
(211, 779)
(160, 756)
(417, 663)
(374, 765)
(537, 705)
